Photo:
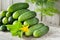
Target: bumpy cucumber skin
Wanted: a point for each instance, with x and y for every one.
(40, 32)
(3, 13)
(19, 12)
(31, 21)
(33, 28)
(17, 6)
(26, 15)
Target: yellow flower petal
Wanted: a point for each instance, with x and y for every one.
(25, 28)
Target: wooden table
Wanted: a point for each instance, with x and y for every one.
(53, 34)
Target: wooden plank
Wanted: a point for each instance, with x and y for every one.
(0, 5)
(53, 21)
(15, 1)
(5, 4)
(58, 7)
(10, 2)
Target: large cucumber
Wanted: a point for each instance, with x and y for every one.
(40, 32)
(17, 6)
(26, 15)
(31, 22)
(33, 28)
(18, 13)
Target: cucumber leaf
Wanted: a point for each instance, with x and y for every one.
(20, 33)
(15, 29)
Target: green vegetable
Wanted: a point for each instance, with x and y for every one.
(10, 20)
(1, 20)
(15, 22)
(40, 32)
(3, 13)
(5, 20)
(31, 21)
(3, 28)
(33, 28)
(18, 13)
(26, 15)
(8, 14)
(17, 6)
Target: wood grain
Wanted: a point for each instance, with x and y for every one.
(5, 4)
(0, 5)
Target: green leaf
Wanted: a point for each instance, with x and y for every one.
(14, 28)
(9, 26)
(20, 33)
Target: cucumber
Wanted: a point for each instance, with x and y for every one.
(31, 21)
(17, 6)
(15, 22)
(40, 32)
(3, 13)
(33, 28)
(26, 15)
(5, 20)
(8, 14)
(18, 13)
(10, 20)
(3, 28)
(1, 20)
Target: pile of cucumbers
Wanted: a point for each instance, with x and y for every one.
(21, 13)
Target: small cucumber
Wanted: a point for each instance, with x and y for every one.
(18, 13)
(31, 21)
(3, 13)
(40, 32)
(26, 16)
(3, 28)
(15, 22)
(8, 14)
(5, 20)
(1, 20)
(33, 28)
(10, 20)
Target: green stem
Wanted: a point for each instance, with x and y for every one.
(41, 13)
(41, 17)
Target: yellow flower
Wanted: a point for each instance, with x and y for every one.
(25, 28)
